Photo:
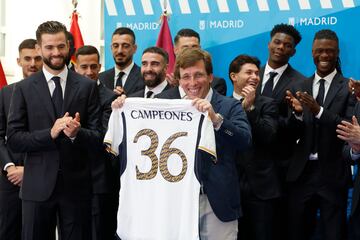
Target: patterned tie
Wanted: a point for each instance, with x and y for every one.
(57, 97)
(119, 79)
(268, 88)
(149, 94)
(321, 93)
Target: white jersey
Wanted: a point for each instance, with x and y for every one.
(158, 141)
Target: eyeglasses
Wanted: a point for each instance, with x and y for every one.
(197, 76)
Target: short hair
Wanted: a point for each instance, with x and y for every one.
(326, 34)
(189, 57)
(288, 30)
(87, 50)
(330, 35)
(123, 31)
(50, 27)
(159, 51)
(237, 63)
(29, 43)
(186, 32)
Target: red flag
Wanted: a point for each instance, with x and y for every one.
(2, 77)
(165, 42)
(75, 31)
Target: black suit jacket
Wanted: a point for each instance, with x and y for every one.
(134, 81)
(257, 162)
(6, 155)
(338, 105)
(347, 156)
(285, 142)
(220, 180)
(141, 93)
(103, 172)
(31, 118)
(219, 84)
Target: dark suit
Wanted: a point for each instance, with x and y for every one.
(220, 180)
(355, 209)
(219, 84)
(284, 143)
(321, 182)
(104, 175)
(259, 181)
(141, 93)
(10, 203)
(133, 83)
(57, 180)
(284, 148)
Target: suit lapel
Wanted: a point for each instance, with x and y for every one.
(129, 81)
(283, 82)
(72, 86)
(214, 102)
(42, 88)
(335, 87)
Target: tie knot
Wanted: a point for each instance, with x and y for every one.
(272, 74)
(121, 74)
(149, 94)
(322, 81)
(56, 80)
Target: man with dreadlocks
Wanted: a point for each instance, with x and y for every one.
(318, 176)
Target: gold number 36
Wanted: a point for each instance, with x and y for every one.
(165, 153)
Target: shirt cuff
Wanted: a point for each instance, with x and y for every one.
(318, 116)
(8, 165)
(354, 156)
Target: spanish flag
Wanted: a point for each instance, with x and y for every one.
(75, 31)
(164, 41)
(2, 77)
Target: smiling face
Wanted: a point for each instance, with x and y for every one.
(123, 48)
(281, 48)
(54, 49)
(88, 65)
(30, 61)
(248, 75)
(153, 69)
(325, 53)
(195, 81)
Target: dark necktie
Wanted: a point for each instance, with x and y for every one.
(57, 97)
(268, 88)
(119, 79)
(149, 94)
(320, 101)
(321, 93)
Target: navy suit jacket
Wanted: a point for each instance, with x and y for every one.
(6, 155)
(134, 81)
(31, 118)
(220, 180)
(338, 106)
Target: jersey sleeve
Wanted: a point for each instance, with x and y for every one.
(207, 141)
(115, 132)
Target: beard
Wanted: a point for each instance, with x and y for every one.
(60, 66)
(153, 82)
(123, 63)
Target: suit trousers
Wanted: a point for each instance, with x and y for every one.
(72, 214)
(308, 195)
(104, 216)
(211, 228)
(10, 215)
(257, 220)
(355, 224)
